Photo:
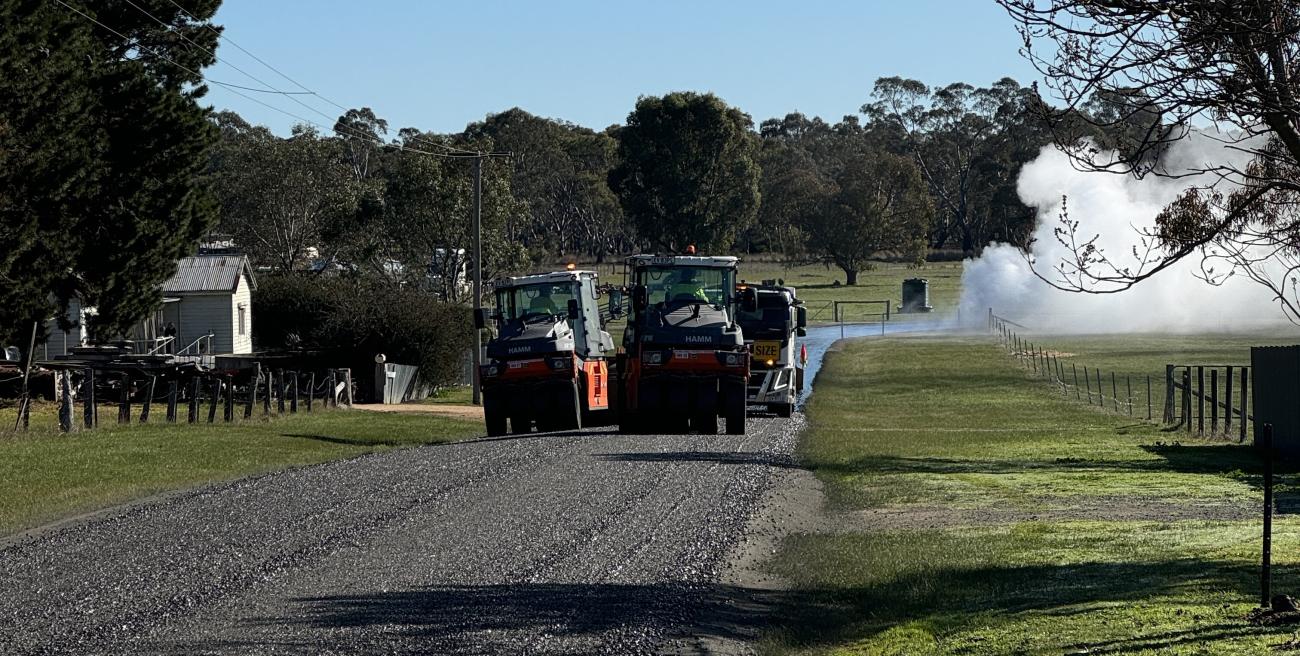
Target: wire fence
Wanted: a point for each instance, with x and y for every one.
(1216, 405)
(1107, 391)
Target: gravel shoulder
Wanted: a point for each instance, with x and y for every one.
(574, 543)
(446, 409)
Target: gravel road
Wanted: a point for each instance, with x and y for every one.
(575, 543)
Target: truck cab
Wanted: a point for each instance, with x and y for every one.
(772, 331)
(548, 364)
(684, 362)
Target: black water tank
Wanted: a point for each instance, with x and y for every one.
(916, 295)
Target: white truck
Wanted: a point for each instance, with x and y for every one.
(772, 332)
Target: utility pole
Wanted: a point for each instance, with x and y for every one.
(478, 271)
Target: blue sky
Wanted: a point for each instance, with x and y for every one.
(440, 64)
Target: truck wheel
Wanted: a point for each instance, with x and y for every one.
(494, 416)
(706, 423)
(783, 410)
(569, 409)
(546, 423)
(520, 423)
(627, 424)
(734, 404)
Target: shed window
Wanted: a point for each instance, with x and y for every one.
(243, 320)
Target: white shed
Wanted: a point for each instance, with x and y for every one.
(209, 295)
(213, 296)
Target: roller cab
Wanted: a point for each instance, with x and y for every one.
(684, 362)
(548, 365)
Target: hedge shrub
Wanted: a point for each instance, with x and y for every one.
(349, 321)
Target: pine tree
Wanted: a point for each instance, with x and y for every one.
(102, 143)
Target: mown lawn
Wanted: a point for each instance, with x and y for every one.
(1134, 358)
(817, 283)
(976, 511)
(46, 476)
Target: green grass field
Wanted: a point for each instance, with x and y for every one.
(816, 285)
(976, 511)
(46, 476)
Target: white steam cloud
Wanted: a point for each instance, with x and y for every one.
(1115, 207)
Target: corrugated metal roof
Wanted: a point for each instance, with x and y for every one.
(208, 273)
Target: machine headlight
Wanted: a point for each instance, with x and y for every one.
(560, 363)
(490, 370)
(652, 357)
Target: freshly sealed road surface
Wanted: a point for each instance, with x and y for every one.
(573, 543)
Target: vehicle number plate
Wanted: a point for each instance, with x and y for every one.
(767, 350)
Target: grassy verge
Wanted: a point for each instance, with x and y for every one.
(977, 512)
(454, 395)
(45, 476)
(817, 283)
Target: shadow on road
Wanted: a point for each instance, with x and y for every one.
(342, 440)
(604, 613)
(604, 432)
(576, 616)
(712, 457)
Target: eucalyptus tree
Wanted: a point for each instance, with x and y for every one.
(1164, 68)
(688, 171)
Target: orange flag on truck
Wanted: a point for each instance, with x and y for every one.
(803, 354)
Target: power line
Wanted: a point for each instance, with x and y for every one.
(272, 91)
(234, 90)
(306, 90)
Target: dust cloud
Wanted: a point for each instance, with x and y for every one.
(1115, 207)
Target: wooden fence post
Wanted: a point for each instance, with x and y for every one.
(88, 412)
(148, 400)
(216, 397)
(1245, 404)
(1200, 400)
(124, 399)
(270, 392)
(252, 391)
(194, 399)
(1150, 410)
(1087, 381)
(1169, 394)
(293, 401)
(1227, 401)
(173, 389)
(65, 401)
(347, 382)
(311, 389)
(1128, 384)
(1114, 391)
(280, 388)
(332, 401)
(229, 411)
(1101, 396)
(1214, 400)
(1187, 397)
(1075, 369)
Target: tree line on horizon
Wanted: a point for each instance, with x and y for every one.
(918, 169)
(111, 169)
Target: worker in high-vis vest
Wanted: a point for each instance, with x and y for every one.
(687, 288)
